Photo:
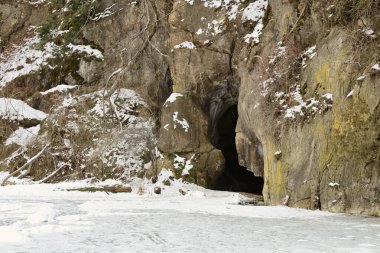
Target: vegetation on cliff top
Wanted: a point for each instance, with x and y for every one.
(66, 21)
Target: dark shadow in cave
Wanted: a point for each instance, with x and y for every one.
(234, 177)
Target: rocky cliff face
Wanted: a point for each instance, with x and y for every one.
(317, 90)
(127, 89)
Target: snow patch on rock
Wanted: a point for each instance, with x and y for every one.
(87, 50)
(59, 88)
(172, 98)
(23, 136)
(185, 45)
(23, 59)
(17, 110)
(183, 123)
(191, 2)
(255, 12)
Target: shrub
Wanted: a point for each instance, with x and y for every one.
(346, 11)
(69, 18)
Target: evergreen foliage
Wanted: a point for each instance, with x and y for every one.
(64, 25)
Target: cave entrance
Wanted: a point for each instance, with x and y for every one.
(234, 176)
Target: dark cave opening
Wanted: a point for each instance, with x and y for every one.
(234, 176)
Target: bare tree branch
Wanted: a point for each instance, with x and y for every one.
(44, 180)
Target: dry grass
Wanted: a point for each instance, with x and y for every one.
(346, 11)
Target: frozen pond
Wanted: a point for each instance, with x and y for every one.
(45, 219)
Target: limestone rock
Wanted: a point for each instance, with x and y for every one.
(306, 92)
(90, 71)
(182, 192)
(157, 190)
(184, 126)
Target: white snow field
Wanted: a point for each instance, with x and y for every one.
(47, 218)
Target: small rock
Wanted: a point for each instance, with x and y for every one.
(89, 71)
(316, 203)
(182, 192)
(285, 200)
(166, 182)
(278, 154)
(157, 190)
(70, 80)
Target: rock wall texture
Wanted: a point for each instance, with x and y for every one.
(323, 116)
(156, 77)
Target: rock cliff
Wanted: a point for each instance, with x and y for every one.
(280, 97)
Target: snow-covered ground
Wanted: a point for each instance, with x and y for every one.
(47, 218)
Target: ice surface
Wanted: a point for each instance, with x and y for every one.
(44, 218)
